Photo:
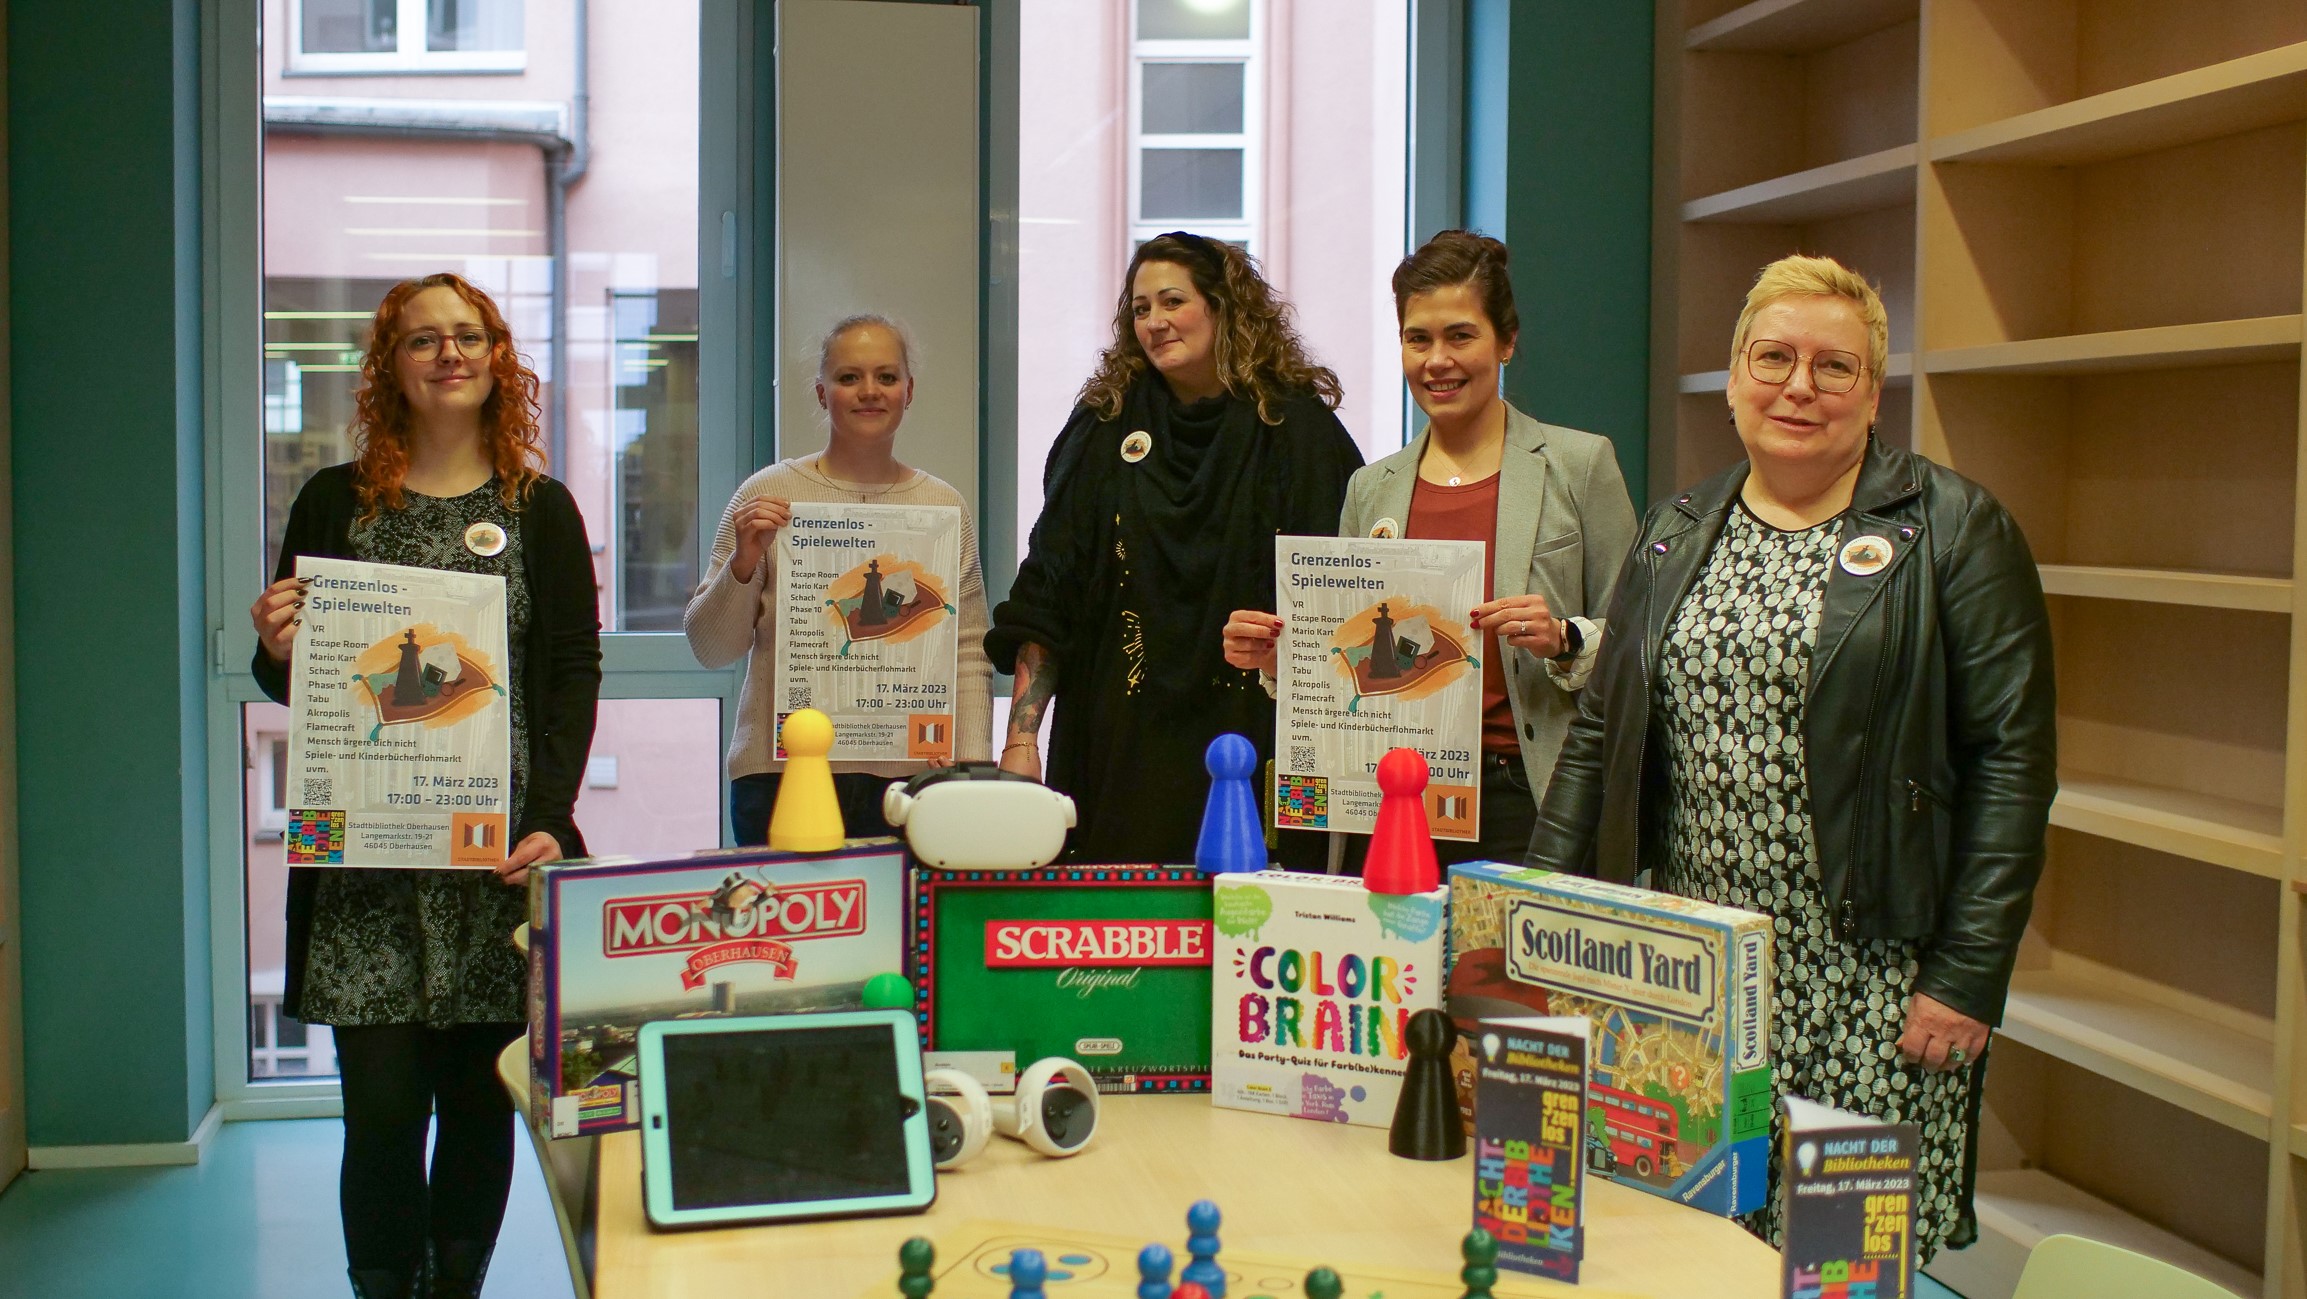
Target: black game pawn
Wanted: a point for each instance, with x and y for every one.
(914, 1259)
(1384, 664)
(1426, 1120)
(1322, 1283)
(870, 611)
(1480, 1250)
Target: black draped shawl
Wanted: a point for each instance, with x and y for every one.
(1128, 578)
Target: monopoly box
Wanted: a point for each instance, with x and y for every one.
(1679, 995)
(614, 944)
(1109, 965)
(1314, 980)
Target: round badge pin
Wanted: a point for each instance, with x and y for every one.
(1385, 529)
(1865, 556)
(1137, 446)
(485, 539)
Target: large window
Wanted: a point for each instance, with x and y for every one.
(403, 36)
(1281, 125)
(385, 157)
(1198, 120)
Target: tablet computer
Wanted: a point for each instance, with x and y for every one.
(778, 1117)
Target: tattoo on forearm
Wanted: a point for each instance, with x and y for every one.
(1036, 684)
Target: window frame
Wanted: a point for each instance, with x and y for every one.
(734, 281)
(1250, 52)
(411, 58)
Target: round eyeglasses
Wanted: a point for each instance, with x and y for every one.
(1831, 370)
(425, 344)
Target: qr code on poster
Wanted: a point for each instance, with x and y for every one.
(319, 791)
(1302, 756)
(796, 697)
(316, 837)
(1302, 802)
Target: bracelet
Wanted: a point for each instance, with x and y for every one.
(1027, 743)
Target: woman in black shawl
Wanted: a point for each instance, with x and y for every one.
(1205, 432)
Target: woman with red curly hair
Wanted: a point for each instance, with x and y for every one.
(1204, 432)
(415, 968)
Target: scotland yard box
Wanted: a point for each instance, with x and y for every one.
(1109, 965)
(1315, 981)
(1679, 993)
(614, 944)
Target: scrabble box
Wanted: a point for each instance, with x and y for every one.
(1313, 984)
(1109, 965)
(1679, 995)
(614, 944)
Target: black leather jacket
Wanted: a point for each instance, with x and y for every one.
(1929, 733)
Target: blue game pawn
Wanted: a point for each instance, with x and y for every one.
(1153, 1269)
(1232, 838)
(1202, 1242)
(1027, 1272)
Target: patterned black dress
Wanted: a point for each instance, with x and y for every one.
(421, 946)
(1733, 674)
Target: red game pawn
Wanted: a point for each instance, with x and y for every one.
(1189, 1291)
(1401, 857)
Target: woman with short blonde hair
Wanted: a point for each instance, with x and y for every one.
(864, 385)
(1828, 688)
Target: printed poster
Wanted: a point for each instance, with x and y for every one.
(866, 626)
(1377, 654)
(400, 718)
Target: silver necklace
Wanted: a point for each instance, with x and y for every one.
(817, 471)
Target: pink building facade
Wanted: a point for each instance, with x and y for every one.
(412, 136)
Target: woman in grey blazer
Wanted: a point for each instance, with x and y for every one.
(1548, 502)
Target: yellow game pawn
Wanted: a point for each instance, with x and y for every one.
(807, 814)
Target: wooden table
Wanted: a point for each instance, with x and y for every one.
(1328, 1192)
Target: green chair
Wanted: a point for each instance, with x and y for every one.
(2073, 1267)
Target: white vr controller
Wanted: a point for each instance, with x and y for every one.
(975, 816)
(1054, 1111)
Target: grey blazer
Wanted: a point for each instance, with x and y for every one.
(1564, 523)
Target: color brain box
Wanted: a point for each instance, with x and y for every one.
(1679, 994)
(1314, 982)
(614, 944)
(1109, 965)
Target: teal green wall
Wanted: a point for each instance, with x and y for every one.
(105, 279)
(1558, 146)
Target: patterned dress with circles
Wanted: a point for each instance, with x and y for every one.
(1734, 671)
(424, 946)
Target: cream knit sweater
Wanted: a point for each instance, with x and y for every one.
(734, 614)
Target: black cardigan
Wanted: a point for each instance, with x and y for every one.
(559, 662)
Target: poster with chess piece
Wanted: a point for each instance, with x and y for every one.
(1377, 652)
(867, 628)
(400, 718)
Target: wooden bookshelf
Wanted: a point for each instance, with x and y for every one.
(2166, 347)
(2185, 1051)
(1798, 26)
(2170, 586)
(2018, 1207)
(1884, 178)
(2200, 827)
(2242, 94)
(2089, 223)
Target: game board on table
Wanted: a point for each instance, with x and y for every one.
(973, 1263)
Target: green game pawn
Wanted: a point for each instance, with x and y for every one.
(1322, 1283)
(914, 1259)
(888, 991)
(1480, 1250)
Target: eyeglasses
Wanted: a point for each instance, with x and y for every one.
(1771, 361)
(425, 344)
